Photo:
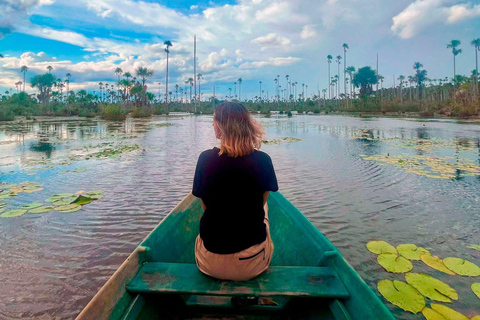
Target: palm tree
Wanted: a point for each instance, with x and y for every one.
(401, 78)
(345, 48)
(351, 72)
(260, 82)
(49, 68)
(199, 78)
(1, 55)
(100, 85)
(339, 58)
(190, 81)
(365, 78)
(303, 91)
(68, 75)
(240, 80)
(329, 60)
(118, 72)
(476, 44)
(24, 69)
(167, 44)
(453, 45)
(288, 84)
(127, 75)
(144, 74)
(176, 92)
(18, 84)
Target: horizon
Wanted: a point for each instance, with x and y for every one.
(254, 40)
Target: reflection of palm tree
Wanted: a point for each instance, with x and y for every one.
(24, 69)
(453, 45)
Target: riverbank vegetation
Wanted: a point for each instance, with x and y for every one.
(363, 93)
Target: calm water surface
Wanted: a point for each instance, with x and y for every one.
(52, 264)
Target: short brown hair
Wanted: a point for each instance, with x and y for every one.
(240, 134)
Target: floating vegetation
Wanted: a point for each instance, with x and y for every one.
(379, 247)
(43, 209)
(462, 267)
(73, 207)
(77, 170)
(435, 263)
(474, 247)
(431, 314)
(394, 263)
(431, 288)
(429, 166)
(160, 125)
(11, 190)
(476, 289)
(448, 313)
(411, 251)
(281, 140)
(13, 213)
(32, 205)
(402, 295)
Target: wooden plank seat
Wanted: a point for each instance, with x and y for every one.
(181, 278)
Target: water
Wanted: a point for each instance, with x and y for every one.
(52, 264)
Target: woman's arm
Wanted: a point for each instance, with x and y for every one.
(203, 206)
(265, 196)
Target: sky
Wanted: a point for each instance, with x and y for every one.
(255, 40)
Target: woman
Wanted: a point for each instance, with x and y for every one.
(234, 182)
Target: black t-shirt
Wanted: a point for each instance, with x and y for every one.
(232, 190)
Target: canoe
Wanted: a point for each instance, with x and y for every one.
(307, 279)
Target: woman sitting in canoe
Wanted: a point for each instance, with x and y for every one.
(234, 182)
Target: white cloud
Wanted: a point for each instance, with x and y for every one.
(272, 40)
(193, 7)
(270, 62)
(308, 31)
(422, 14)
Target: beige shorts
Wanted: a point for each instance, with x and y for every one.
(239, 266)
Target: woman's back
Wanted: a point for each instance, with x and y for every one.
(232, 190)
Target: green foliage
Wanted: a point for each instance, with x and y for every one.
(431, 288)
(113, 112)
(379, 247)
(140, 112)
(402, 295)
(393, 263)
(364, 79)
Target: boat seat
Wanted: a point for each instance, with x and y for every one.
(182, 278)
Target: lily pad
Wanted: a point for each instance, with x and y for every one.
(68, 208)
(474, 247)
(63, 195)
(431, 288)
(448, 313)
(379, 247)
(431, 314)
(96, 196)
(53, 199)
(462, 267)
(3, 204)
(411, 251)
(402, 295)
(435, 263)
(476, 289)
(13, 213)
(476, 318)
(394, 263)
(83, 200)
(41, 209)
(32, 205)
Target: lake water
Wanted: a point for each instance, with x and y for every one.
(52, 264)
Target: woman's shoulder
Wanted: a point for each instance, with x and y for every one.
(209, 152)
(262, 155)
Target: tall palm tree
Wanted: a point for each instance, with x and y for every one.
(476, 44)
(240, 80)
(260, 82)
(190, 81)
(345, 48)
(288, 85)
(118, 72)
(167, 44)
(453, 45)
(199, 78)
(176, 92)
(24, 69)
(49, 68)
(127, 75)
(18, 84)
(303, 91)
(329, 60)
(401, 78)
(351, 72)
(339, 58)
(144, 74)
(68, 75)
(100, 86)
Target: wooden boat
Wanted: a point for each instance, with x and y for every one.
(307, 279)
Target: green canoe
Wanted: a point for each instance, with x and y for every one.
(307, 279)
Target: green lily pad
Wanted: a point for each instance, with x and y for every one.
(13, 213)
(96, 196)
(411, 251)
(431, 288)
(379, 247)
(41, 209)
(63, 195)
(431, 314)
(3, 204)
(83, 200)
(448, 313)
(61, 202)
(32, 205)
(474, 247)
(2, 209)
(476, 318)
(476, 289)
(68, 208)
(7, 186)
(394, 263)
(402, 295)
(462, 267)
(435, 263)
(53, 199)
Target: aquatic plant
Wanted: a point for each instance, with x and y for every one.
(379, 247)
(431, 288)
(411, 251)
(462, 267)
(402, 295)
(435, 263)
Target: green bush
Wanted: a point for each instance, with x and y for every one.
(113, 112)
(6, 114)
(139, 112)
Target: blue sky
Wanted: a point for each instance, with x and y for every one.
(252, 39)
